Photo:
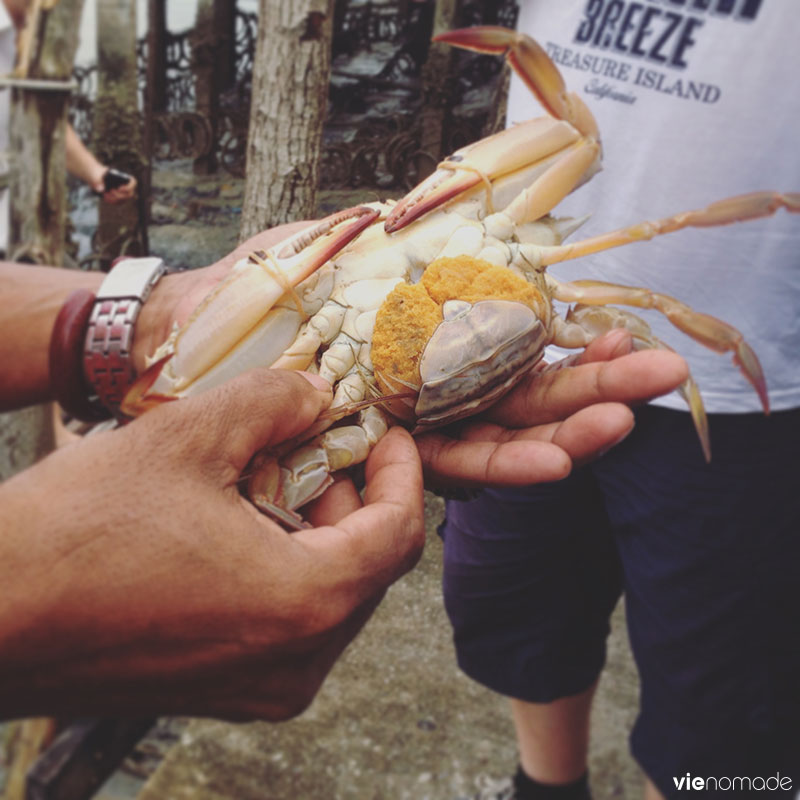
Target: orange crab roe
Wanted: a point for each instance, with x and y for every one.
(410, 313)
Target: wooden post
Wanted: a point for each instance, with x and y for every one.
(37, 133)
(206, 66)
(156, 93)
(155, 101)
(225, 23)
(214, 65)
(117, 127)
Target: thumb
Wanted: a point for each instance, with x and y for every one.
(257, 409)
(374, 545)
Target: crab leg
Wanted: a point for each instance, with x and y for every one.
(302, 475)
(703, 328)
(539, 144)
(741, 208)
(245, 321)
(531, 62)
(584, 323)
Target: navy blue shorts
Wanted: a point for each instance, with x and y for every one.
(709, 560)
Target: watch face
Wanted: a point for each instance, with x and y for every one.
(132, 277)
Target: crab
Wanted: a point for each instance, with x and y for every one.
(428, 310)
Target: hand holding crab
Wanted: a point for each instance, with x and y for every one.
(547, 423)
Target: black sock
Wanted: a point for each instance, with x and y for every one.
(529, 789)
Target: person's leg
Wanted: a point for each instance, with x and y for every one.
(711, 555)
(553, 738)
(650, 791)
(530, 579)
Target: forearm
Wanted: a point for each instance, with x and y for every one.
(81, 162)
(32, 296)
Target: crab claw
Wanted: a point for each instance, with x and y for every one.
(237, 326)
(531, 62)
(526, 57)
(563, 148)
(538, 147)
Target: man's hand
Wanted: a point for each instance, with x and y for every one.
(552, 421)
(115, 193)
(137, 580)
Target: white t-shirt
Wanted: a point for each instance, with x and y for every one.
(693, 106)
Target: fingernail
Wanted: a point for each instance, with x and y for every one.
(317, 381)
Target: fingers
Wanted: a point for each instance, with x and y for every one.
(553, 396)
(614, 344)
(554, 420)
(591, 432)
(125, 192)
(339, 500)
(374, 545)
(119, 193)
(490, 455)
(259, 408)
(497, 457)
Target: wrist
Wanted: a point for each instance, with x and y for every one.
(95, 178)
(156, 319)
(99, 339)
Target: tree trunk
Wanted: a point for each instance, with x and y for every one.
(117, 128)
(289, 103)
(36, 137)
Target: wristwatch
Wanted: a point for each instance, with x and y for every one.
(107, 362)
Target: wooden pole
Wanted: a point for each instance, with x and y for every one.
(207, 67)
(156, 94)
(117, 141)
(155, 100)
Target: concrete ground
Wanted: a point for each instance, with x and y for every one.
(395, 720)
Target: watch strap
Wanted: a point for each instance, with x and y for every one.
(107, 362)
(66, 350)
